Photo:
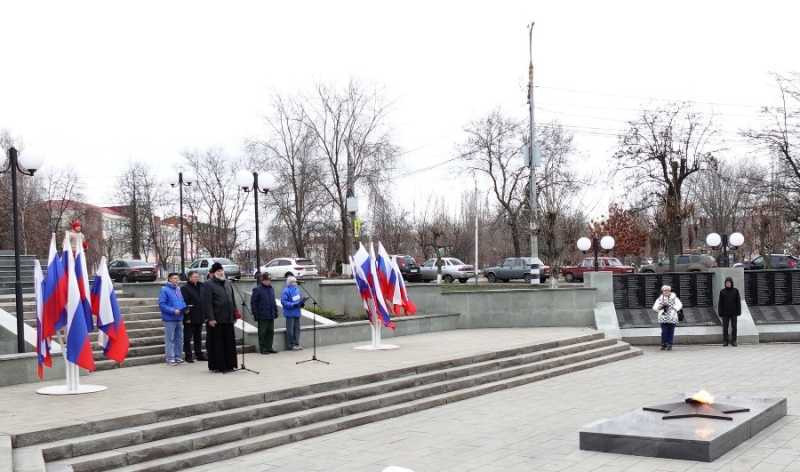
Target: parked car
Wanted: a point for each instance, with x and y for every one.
(605, 264)
(202, 266)
(284, 267)
(452, 269)
(683, 263)
(409, 267)
(517, 268)
(779, 261)
(131, 270)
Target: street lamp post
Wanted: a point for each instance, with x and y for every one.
(724, 242)
(183, 178)
(26, 166)
(607, 243)
(250, 182)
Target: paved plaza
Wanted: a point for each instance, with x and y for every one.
(528, 428)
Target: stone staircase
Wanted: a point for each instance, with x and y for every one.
(8, 274)
(142, 319)
(196, 434)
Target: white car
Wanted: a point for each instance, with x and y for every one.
(284, 267)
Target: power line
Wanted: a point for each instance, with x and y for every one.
(646, 98)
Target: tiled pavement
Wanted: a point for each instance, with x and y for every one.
(529, 428)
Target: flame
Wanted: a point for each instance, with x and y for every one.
(703, 397)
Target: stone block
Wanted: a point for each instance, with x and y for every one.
(645, 433)
(6, 462)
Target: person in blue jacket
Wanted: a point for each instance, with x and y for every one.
(292, 302)
(170, 300)
(265, 310)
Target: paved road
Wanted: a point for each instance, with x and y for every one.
(535, 427)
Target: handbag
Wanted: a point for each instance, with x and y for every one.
(680, 315)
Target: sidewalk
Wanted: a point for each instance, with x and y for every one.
(535, 427)
(161, 386)
(529, 428)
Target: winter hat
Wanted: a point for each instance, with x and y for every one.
(215, 267)
(266, 276)
(75, 224)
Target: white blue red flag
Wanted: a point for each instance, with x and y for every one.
(79, 349)
(54, 298)
(377, 294)
(42, 343)
(400, 292)
(83, 285)
(363, 286)
(112, 335)
(386, 274)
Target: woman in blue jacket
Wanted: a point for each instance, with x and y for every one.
(292, 302)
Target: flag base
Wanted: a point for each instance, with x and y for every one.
(64, 390)
(380, 347)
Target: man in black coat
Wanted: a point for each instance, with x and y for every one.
(193, 321)
(729, 308)
(265, 311)
(220, 314)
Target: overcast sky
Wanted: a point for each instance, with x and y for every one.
(95, 84)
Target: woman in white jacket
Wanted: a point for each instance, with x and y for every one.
(667, 305)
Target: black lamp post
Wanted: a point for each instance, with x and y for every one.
(250, 182)
(606, 242)
(724, 242)
(183, 178)
(28, 167)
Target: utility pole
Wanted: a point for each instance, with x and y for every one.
(534, 227)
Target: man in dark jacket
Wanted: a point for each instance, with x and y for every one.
(729, 308)
(193, 321)
(265, 311)
(220, 314)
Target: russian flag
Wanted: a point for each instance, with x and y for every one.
(54, 298)
(386, 274)
(400, 290)
(83, 285)
(112, 336)
(79, 349)
(42, 343)
(363, 286)
(375, 286)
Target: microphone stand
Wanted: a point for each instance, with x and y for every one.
(313, 330)
(244, 308)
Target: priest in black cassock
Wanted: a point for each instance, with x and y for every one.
(220, 312)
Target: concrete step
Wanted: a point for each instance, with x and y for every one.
(200, 434)
(135, 361)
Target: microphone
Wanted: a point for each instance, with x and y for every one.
(300, 282)
(232, 280)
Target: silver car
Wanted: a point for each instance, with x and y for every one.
(202, 266)
(452, 269)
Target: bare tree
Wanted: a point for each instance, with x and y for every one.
(780, 137)
(354, 140)
(493, 150)
(62, 188)
(290, 153)
(660, 151)
(215, 202)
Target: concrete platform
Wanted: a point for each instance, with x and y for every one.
(657, 434)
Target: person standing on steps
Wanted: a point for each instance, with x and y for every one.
(220, 314)
(292, 302)
(172, 306)
(193, 321)
(667, 305)
(730, 308)
(77, 237)
(265, 311)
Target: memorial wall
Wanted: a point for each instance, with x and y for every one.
(773, 296)
(634, 295)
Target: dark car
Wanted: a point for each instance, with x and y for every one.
(683, 263)
(131, 270)
(408, 267)
(779, 261)
(517, 268)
